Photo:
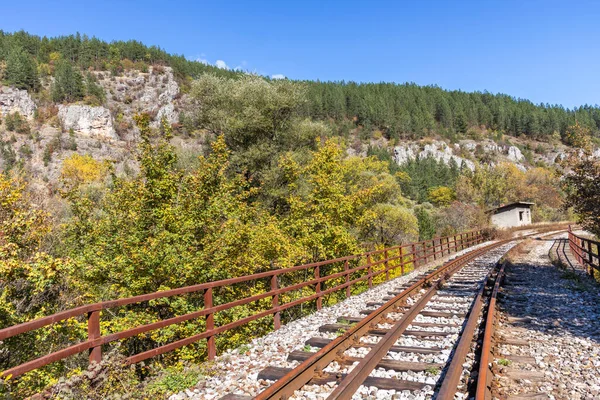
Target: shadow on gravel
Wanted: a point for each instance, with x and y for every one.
(550, 299)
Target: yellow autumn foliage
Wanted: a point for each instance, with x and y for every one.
(81, 169)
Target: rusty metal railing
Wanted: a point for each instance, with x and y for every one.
(585, 251)
(351, 270)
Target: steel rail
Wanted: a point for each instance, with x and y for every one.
(454, 372)
(350, 384)
(484, 377)
(486, 347)
(302, 374)
(408, 254)
(313, 366)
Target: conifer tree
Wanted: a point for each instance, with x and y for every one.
(460, 122)
(21, 70)
(425, 223)
(68, 83)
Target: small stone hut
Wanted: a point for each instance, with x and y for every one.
(510, 215)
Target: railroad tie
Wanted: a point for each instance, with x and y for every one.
(381, 332)
(322, 342)
(343, 320)
(276, 373)
(451, 301)
(385, 363)
(444, 314)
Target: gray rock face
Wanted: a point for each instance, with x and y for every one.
(514, 154)
(560, 157)
(492, 148)
(167, 111)
(438, 150)
(15, 100)
(596, 153)
(469, 146)
(87, 120)
(402, 154)
(161, 88)
(160, 91)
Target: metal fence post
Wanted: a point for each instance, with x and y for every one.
(210, 324)
(414, 256)
(346, 268)
(401, 260)
(94, 333)
(387, 265)
(318, 288)
(275, 303)
(370, 270)
(590, 258)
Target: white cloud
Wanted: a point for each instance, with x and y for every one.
(242, 66)
(278, 76)
(221, 64)
(202, 59)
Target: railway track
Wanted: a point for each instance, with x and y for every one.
(401, 346)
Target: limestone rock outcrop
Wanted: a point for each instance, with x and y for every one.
(514, 154)
(403, 154)
(87, 120)
(15, 100)
(167, 111)
(437, 150)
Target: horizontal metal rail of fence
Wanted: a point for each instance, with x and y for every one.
(585, 251)
(356, 269)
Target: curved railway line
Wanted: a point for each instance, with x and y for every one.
(428, 325)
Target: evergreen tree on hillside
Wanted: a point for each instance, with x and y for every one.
(68, 83)
(21, 70)
(460, 122)
(426, 223)
(94, 92)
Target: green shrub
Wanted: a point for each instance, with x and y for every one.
(108, 380)
(16, 123)
(175, 379)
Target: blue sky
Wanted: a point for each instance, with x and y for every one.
(546, 51)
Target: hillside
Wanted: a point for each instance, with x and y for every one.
(129, 77)
(126, 170)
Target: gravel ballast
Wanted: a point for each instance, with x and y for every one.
(557, 313)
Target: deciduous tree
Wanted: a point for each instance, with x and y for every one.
(583, 193)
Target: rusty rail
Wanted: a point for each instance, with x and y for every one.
(586, 252)
(453, 375)
(484, 378)
(367, 266)
(303, 373)
(312, 367)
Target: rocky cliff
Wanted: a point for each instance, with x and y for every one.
(55, 131)
(87, 120)
(14, 100)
